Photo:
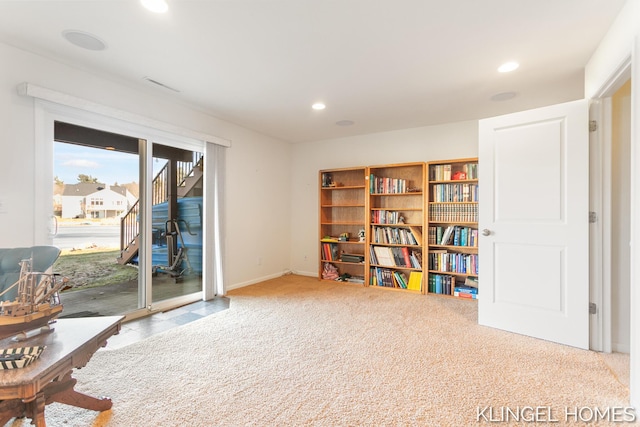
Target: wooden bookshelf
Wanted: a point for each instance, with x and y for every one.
(395, 225)
(452, 233)
(343, 208)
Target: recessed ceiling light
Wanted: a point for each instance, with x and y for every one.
(508, 66)
(504, 96)
(84, 40)
(345, 122)
(318, 106)
(156, 6)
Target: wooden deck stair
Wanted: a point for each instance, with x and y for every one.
(194, 180)
(128, 253)
(129, 235)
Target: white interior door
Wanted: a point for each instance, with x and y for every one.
(534, 193)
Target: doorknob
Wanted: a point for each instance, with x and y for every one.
(486, 232)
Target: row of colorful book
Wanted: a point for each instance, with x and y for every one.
(446, 172)
(386, 217)
(382, 185)
(444, 284)
(454, 192)
(396, 235)
(453, 262)
(330, 252)
(459, 212)
(464, 291)
(395, 279)
(441, 284)
(395, 257)
(453, 235)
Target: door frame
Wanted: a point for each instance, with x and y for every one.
(46, 112)
(600, 177)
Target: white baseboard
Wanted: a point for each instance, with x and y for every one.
(306, 273)
(620, 348)
(257, 280)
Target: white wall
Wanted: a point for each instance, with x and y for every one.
(257, 186)
(448, 141)
(620, 43)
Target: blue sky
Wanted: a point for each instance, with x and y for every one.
(108, 167)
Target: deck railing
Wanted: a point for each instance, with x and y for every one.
(129, 224)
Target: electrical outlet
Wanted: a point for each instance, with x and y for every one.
(259, 260)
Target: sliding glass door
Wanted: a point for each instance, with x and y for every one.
(128, 215)
(177, 222)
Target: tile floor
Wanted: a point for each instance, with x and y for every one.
(138, 329)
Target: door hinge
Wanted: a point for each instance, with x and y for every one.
(593, 308)
(593, 126)
(593, 217)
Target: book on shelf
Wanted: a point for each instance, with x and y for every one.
(471, 169)
(454, 235)
(450, 212)
(455, 192)
(380, 216)
(329, 239)
(452, 262)
(396, 257)
(465, 295)
(373, 259)
(417, 235)
(440, 172)
(355, 258)
(384, 185)
(416, 259)
(447, 237)
(330, 252)
(400, 279)
(441, 284)
(406, 256)
(388, 278)
(471, 281)
(396, 235)
(445, 172)
(465, 289)
(415, 281)
(381, 277)
(384, 256)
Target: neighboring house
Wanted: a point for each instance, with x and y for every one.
(95, 200)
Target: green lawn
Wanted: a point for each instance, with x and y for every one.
(92, 268)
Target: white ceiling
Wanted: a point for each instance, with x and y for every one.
(384, 64)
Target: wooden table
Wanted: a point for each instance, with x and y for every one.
(24, 392)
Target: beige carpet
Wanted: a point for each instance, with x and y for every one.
(295, 351)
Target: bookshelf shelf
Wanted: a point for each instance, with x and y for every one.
(396, 217)
(453, 228)
(343, 187)
(343, 208)
(454, 248)
(381, 209)
(451, 273)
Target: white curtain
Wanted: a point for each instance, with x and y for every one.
(214, 173)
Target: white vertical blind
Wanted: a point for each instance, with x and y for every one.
(214, 175)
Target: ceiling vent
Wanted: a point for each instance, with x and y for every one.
(155, 82)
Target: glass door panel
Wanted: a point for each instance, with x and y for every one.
(177, 219)
(95, 188)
